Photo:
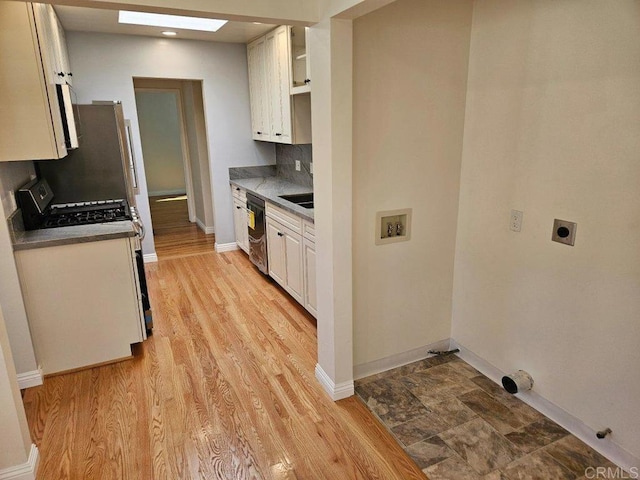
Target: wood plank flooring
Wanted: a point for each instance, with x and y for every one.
(174, 235)
(223, 389)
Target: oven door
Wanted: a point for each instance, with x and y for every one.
(144, 292)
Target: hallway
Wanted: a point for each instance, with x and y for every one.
(173, 234)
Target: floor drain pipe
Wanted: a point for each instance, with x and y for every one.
(519, 381)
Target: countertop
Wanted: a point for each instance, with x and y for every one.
(270, 188)
(51, 237)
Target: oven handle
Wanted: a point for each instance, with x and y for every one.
(137, 223)
(140, 230)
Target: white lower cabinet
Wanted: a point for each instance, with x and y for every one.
(240, 217)
(309, 266)
(284, 248)
(240, 223)
(292, 255)
(83, 302)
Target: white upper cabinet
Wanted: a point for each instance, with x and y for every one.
(33, 52)
(300, 76)
(276, 115)
(53, 42)
(257, 90)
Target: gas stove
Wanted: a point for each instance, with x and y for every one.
(86, 213)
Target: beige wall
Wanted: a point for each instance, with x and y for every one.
(553, 129)
(12, 176)
(410, 73)
(15, 440)
(198, 152)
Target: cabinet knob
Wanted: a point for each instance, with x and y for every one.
(278, 134)
(61, 74)
(237, 207)
(280, 234)
(259, 133)
(70, 74)
(306, 80)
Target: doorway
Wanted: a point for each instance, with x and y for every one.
(176, 160)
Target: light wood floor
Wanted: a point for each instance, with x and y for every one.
(174, 235)
(223, 389)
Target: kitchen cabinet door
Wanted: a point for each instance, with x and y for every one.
(278, 48)
(34, 129)
(64, 73)
(53, 41)
(240, 224)
(284, 248)
(293, 264)
(309, 268)
(260, 130)
(300, 71)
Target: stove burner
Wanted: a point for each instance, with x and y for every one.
(86, 213)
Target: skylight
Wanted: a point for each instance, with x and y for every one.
(170, 21)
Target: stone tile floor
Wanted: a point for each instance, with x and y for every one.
(457, 424)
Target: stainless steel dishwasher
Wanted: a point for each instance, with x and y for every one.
(257, 233)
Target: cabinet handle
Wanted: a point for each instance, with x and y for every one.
(306, 80)
(278, 134)
(61, 74)
(280, 234)
(237, 207)
(259, 133)
(238, 189)
(70, 74)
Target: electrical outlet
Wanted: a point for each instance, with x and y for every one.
(297, 165)
(515, 222)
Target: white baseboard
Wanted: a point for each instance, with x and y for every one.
(30, 379)
(335, 391)
(204, 228)
(382, 365)
(150, 258)
(606, 447)
(226, 247)
(26, 471)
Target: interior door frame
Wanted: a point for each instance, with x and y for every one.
(186, 160)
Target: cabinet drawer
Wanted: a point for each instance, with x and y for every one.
(239, 194)
(287, 219)
(308, 230)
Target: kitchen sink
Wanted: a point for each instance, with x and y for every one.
(305, 200)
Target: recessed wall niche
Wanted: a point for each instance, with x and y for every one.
(393, 226)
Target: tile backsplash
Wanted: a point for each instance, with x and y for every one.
(286, 156)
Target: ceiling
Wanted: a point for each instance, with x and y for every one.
(80, 19)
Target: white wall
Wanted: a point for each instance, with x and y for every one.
(160, 135)
(104, 66)
(198, 153)
(410, 74)
(15, 440)
(553, 129)
(12, 176)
